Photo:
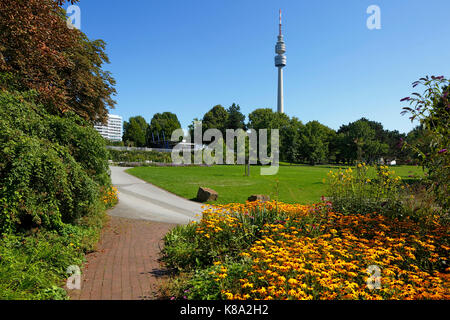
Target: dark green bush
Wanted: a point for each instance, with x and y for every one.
(51, 168)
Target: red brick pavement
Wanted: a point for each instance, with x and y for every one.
(125, 266)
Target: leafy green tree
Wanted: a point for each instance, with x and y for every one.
(314, 141)
(135, 131)
(418, 138)
(191, 128)
(216, 118)
(358, 141)
(394, 140)
(266, 118)
(386, 143)
(235, 119)
(292, 142)
(163, 124)
(261, 118)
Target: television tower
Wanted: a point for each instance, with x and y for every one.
(280, 63)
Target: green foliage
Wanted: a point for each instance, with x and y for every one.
(266, 118)
(235, 119)
(181, 248)
(162, 124)
(53, 164)
(51, 167)
(114, 143)
(139, 156)
(362, 140)
(432, 110)
(33, 266)
(204, 284)
(364, 190)
(135, 131)
(314, 141)
(216, 118)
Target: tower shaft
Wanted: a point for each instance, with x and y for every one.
(280, 90)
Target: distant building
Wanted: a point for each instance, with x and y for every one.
(113, 130)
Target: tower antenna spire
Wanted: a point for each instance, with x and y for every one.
(280, 23)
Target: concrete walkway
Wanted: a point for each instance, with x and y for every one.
(125, 265)
(141, 200)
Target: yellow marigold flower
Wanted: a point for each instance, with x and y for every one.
(229, 295)
(292, 292)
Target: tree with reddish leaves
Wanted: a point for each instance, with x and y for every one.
(38, 51)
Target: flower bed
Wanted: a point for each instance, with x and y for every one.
(283, 251)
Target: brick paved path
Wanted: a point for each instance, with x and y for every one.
(125, 265)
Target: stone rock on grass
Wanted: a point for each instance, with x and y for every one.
(206, 194)
(259, 197)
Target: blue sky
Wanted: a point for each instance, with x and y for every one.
(187, 56)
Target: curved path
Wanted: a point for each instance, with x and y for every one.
(125, 265)
(141, 200)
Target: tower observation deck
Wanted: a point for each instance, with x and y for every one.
(280, 63)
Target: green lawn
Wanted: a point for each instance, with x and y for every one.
(296, 184)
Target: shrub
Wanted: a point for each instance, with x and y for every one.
(432, 110)
(138, 156)
(51, 169)
(181, 250)
(363, 190)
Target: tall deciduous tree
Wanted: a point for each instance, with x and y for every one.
(40, 52)
(314, 141)
(135, 131)
(216, 118)
(236, 119)
(358, 141)
(266, 118)
(163, 124)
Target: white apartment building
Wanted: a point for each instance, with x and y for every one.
(113, 131)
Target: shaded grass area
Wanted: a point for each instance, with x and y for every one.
(292, 184)
(33, 264)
